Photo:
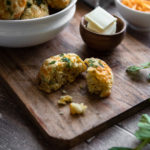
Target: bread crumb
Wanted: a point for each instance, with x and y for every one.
(76, 108)
(64, 92)
(65, 99)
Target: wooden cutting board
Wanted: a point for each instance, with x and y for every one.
(19, 68)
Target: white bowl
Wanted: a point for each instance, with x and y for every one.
(25, 33)
(136, 18)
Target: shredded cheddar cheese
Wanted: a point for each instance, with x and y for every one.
(140, 5)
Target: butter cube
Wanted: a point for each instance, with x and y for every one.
(111, 29)
(100, 18)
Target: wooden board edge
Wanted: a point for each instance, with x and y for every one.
(75, 141)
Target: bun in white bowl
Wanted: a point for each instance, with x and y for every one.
(30, 32)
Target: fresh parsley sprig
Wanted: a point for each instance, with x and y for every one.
(143, 134)
(133, 69)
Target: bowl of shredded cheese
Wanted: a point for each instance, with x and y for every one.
(135, 12)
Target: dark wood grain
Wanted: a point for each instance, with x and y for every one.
(112, 137)
(19, 67)
(121, 134)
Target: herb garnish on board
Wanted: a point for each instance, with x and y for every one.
(133, 69)
(143, 134)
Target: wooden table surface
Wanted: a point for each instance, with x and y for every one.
(18, 133)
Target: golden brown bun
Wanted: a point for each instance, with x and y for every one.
(58, 4)
(12, 9)
(35, 10)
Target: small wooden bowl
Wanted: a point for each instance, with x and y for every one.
(101, 42)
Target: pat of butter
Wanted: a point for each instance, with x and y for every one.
(111, 29)
(100, 18)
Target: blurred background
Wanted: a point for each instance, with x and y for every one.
(102, 3)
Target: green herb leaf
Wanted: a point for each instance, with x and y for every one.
(29, 4)
(8, 2)
(67, 60)
(51, 82)
(61, 55)
(143, 132)
(146, 65)
(132, 69)
(101, 64)
(91, 63)
(121, 148)
(142, 145)
(39, 2)
(52, 62)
